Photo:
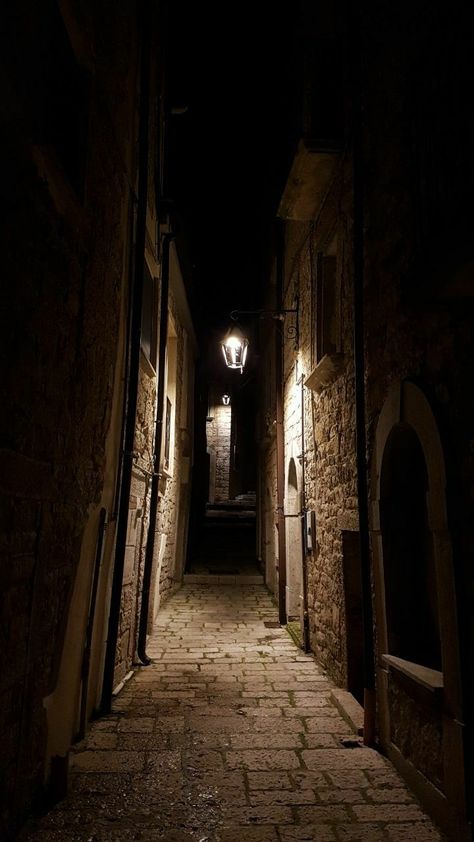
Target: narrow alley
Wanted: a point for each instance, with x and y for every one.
(231, 734)
(236, 323)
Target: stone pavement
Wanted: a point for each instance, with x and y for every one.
(230, 736)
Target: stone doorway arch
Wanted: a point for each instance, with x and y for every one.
(418, 682)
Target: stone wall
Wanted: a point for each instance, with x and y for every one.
(266, 432)
(137, 523)
(329, 421)
(329, 425)
(63, 265)
(173, 499)
(417, 184)
(218, 443)
(419, 283)
(175, 490)
(268, 497)
(417, 731)
(418, 311)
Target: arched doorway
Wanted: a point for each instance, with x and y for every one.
(418, 674)
(411, 594)
(293, 545)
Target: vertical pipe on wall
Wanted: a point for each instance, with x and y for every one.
(359, 370)
(280, 453)
(155, 481)
(304, 566)
(134, 339)
(86, 657)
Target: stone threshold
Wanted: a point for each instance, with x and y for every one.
(350, 709)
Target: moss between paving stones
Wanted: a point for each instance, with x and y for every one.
(294, 630)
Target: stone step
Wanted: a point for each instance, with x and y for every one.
(231, 505)
(219, 514)
(221, 579)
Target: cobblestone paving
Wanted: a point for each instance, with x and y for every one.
(230, 736)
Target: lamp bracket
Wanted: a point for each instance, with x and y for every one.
(279, 315)
(262, 314)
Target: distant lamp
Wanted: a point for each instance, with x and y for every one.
(226, 399)
(234, 348)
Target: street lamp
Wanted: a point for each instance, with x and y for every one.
(235, 343)
(234, 348)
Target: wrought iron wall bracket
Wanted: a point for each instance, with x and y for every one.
(292, 331)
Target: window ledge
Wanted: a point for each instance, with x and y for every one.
(164, 477)
(311, 174)
(430, 679)
(325, 372)
(146, 365)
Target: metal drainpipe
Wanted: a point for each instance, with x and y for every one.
(131, 386)
(280, 453)
(359, 368)
(86, 658)
(304, 570)
(155, 480)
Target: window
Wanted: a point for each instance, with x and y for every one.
(169, 409)
(409, 565)
(149, 308)
(166, 460)
(327, 354)
(327, 312)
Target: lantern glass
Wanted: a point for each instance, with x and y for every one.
(234, 348)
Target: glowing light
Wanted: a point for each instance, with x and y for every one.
(234, 348)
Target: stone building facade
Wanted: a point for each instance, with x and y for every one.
(319, 416)
(419, 302)
(80, 129)
(176, 458)
(358, 209)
